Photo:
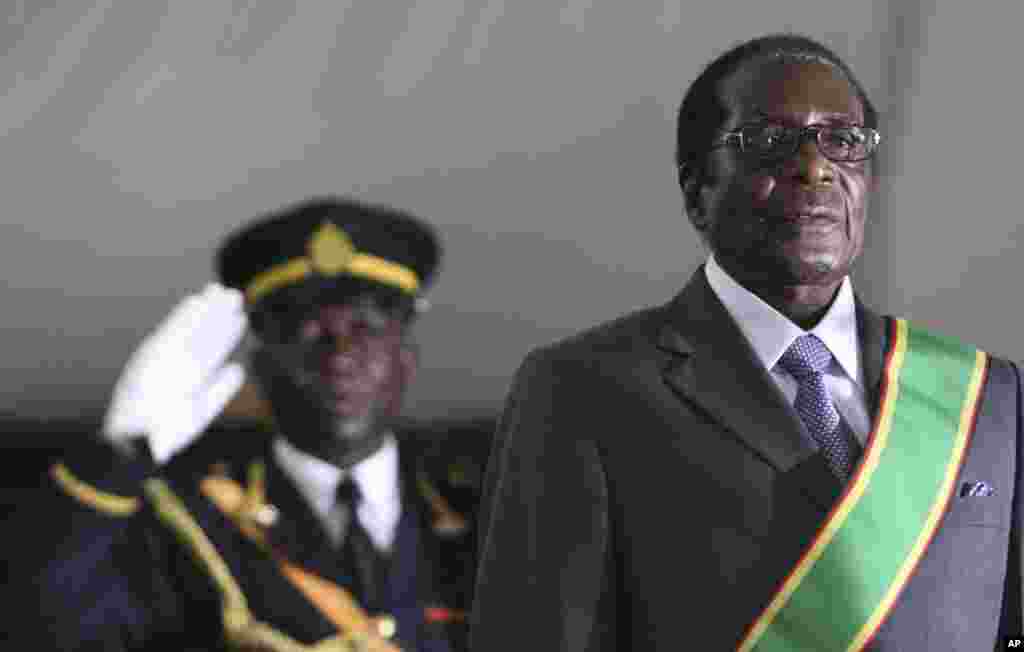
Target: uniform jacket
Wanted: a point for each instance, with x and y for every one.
(650, 486)
(92, 580)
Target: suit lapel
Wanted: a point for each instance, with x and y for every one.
(871, 332)
(710, 363)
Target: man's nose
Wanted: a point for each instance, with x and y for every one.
(809, 166)
(338, 339)
(339, 352)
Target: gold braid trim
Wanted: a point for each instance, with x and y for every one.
(365, 266)
(241, 630)
(90, 496)
(245, 506)
(447, 521)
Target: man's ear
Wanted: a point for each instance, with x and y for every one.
(691, 183)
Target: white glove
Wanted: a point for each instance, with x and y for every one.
(177, 381)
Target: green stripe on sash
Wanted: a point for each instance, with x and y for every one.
(848, 579)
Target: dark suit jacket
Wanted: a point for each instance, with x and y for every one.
(94, 581)
(649, 487)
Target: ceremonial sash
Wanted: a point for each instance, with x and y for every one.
(849, 577)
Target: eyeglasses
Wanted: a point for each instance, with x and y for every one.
(839, 143)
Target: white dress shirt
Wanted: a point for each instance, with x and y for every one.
(377, 479)
(770, 334)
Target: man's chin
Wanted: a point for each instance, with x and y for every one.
(768, 267)
(351, 422)
(816, 270)
(783, 272)
(811, 263)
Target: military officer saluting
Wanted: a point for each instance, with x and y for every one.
(329, 535)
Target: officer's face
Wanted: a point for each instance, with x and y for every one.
(354, 350)
(796, 221)
(333, 373)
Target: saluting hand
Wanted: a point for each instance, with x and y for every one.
(178, 380)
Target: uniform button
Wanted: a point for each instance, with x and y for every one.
(386, 626)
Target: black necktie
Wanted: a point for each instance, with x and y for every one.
(360, 560)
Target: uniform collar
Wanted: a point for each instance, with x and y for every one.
(377, 478)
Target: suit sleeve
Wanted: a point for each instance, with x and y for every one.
(88, 572)
(545, 579)
(1012, 622)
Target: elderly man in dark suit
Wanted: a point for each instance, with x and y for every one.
(332, 533)
(764, 462)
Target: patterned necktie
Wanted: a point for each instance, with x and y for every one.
(359, 558)
(807, 359)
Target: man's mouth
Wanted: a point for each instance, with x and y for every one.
(344, 404)
(810, 221)
(344, 389)
(340, 391)
(814, 224)
(812, 215)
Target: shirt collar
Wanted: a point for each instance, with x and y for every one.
(771, 333)
(317, 480)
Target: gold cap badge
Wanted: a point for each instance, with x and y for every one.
(330, 250)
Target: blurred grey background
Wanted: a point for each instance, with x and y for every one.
(537, 136)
